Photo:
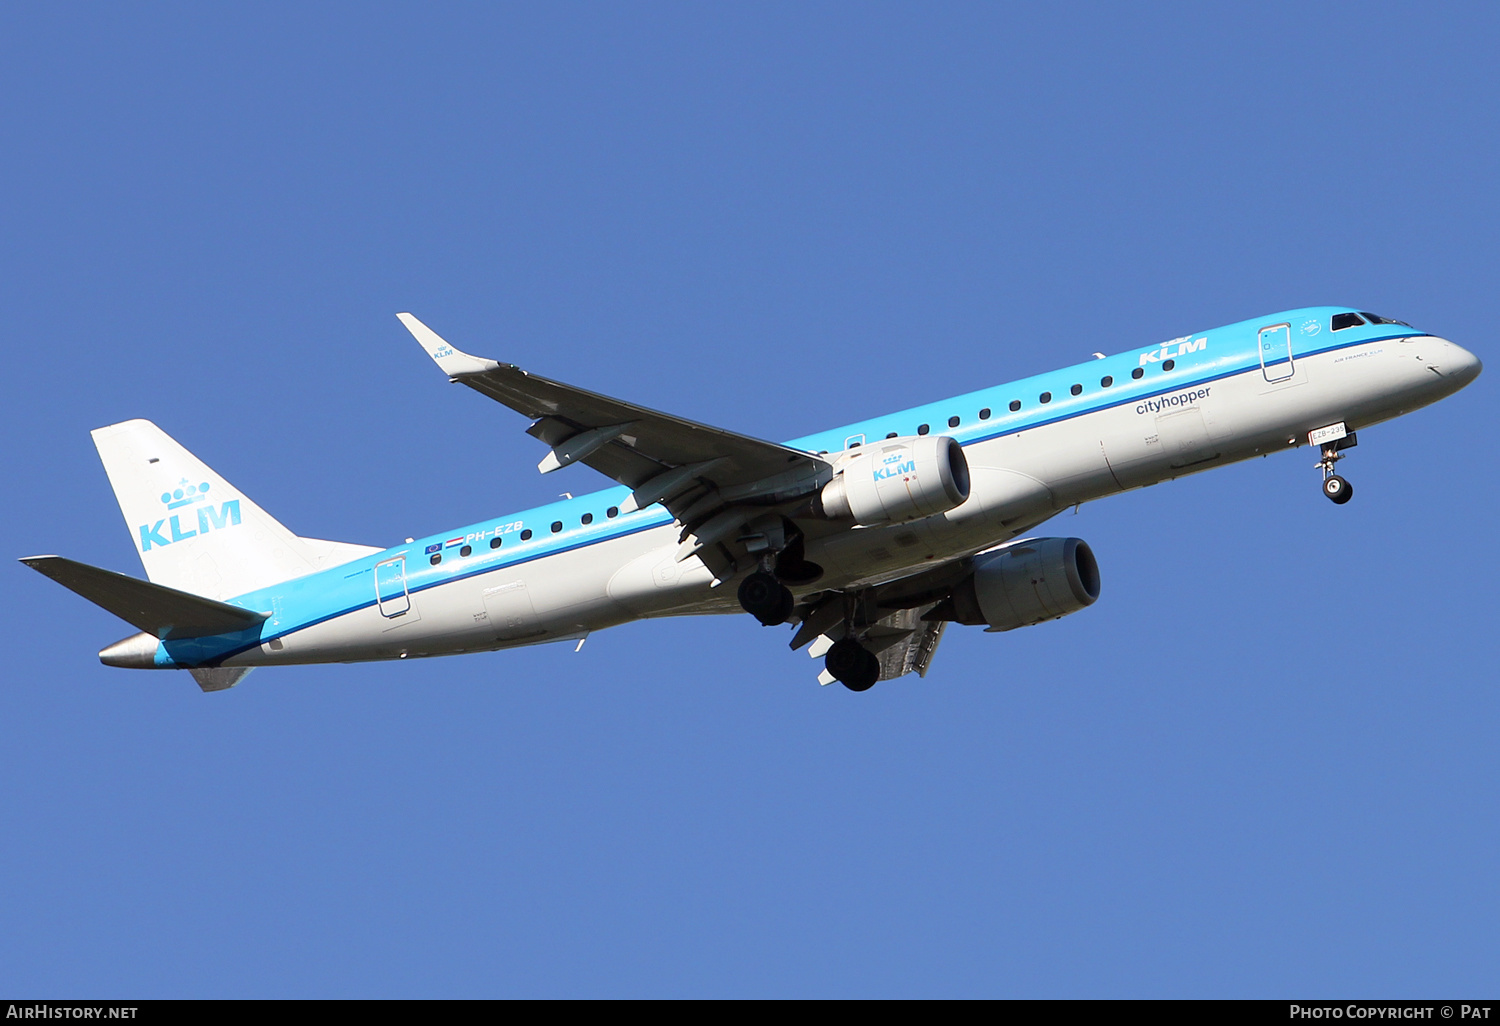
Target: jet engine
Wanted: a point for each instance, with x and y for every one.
(1024, 583)
(898, 479)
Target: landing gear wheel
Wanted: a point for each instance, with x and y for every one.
(852, 665)
(1337, 489)
(766, 598)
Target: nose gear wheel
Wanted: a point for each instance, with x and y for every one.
(1337, 489)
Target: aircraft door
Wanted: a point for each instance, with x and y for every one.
(390, 587)
(1276, 352)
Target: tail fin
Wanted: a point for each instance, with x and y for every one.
(194, 530)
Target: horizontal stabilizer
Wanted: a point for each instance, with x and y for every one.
(165, 612)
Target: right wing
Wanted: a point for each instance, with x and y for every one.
(714, 482)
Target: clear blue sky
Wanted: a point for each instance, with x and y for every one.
(1263, 764)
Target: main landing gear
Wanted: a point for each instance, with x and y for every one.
(852, 665)
(1335, 487)
(764, 594)
(766, 598)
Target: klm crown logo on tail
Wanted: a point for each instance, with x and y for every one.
(210, 518)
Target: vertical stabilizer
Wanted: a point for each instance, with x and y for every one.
(195, 531)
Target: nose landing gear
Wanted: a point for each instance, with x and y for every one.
(1338, 489)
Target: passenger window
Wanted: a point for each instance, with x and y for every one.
(495, 542)
(1015, 404)
(526, 534)
(922, 429)
(1076, 389)
(556, 526)
(1106, 381)
(612, 512)
(1045, 397)
(1137, 373)
(1167, 365)
(891, 435)
(467, 550)
(984, 414)
(953, 422)
(1346, 320)
(437, 557)
(587, 518)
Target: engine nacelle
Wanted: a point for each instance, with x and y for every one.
(898, 479)
(1025, 583)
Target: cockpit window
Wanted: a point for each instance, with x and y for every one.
(1377, 319)
(1342, 321)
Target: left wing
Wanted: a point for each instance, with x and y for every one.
(717, 484)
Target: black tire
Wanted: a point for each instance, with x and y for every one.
(844, 659)
(765, 598)
(852, 665)
(783, 610)
(868, 673)
(1337, 489)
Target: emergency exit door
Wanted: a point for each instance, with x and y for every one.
(1276, 352)
(390, 587)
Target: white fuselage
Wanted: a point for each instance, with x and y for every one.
(1018, 481)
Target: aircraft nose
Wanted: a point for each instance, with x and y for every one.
(1457, 364)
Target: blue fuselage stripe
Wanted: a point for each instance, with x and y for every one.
(419, 579)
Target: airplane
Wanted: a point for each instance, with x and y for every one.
(868, 539)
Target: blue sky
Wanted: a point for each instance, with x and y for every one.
(1262, 765)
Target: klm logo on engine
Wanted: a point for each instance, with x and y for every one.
(895, 465)
(172, 529)
(1177, 347)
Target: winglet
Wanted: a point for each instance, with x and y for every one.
(453, 362)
